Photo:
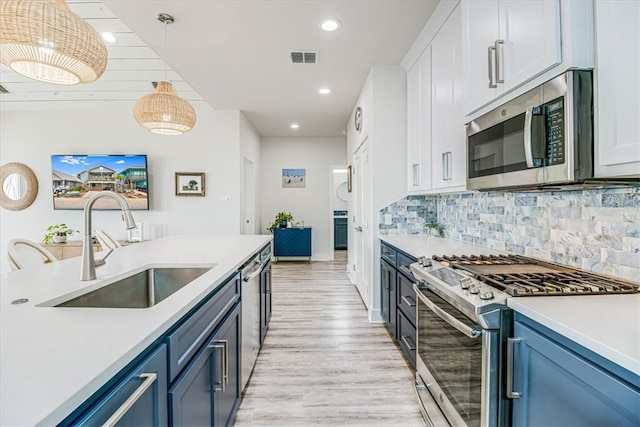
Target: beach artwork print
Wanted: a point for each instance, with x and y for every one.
(294, 178)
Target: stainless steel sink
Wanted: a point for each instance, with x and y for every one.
(141, 290)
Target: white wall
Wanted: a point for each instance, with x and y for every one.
(212, 147)
(309, 204)
(250, 149)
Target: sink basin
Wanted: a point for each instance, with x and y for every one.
(141, 290)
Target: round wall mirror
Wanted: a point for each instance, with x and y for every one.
(342, 192)
(19, 186)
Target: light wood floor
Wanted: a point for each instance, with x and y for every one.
(322, 362)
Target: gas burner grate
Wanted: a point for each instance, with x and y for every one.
(455, 260)
(560, 283)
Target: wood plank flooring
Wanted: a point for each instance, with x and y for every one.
(322, 362)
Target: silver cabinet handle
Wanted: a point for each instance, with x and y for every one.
(469, 331)
(528, 143)
(149, 379)
(408, 301)
(499, 49)
(490, 62)
(416, 174)
(225, 366)
(407, 343)
(446, 165)
(511, 342)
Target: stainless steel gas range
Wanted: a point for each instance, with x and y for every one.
(463, 361)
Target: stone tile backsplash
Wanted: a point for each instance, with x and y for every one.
(598, 230)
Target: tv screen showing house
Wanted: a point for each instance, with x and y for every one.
(75, 178)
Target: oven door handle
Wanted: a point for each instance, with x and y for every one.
(469, 331)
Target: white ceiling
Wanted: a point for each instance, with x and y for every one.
(235, 54)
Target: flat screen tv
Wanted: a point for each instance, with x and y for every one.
(75, 178)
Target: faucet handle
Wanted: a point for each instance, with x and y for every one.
(102, 261)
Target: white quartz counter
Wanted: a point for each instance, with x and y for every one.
(608, 325)
(52, 358)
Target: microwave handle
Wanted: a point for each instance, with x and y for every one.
(528, 143)
(469, 331)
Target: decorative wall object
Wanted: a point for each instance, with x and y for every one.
(189, 183)
(294, 178)
(19, 186)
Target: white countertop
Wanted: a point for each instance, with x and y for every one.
(608, 325)
(52, 358)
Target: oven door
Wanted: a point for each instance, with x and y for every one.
(458, 362)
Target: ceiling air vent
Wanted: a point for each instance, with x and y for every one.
(3, 89)
(304, 57)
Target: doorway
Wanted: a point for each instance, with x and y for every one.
(248, 198)
(338, 212)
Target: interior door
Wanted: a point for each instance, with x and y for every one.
(363, 253)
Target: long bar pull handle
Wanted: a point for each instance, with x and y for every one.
(225, 362)
(407, 343)
(491, 60)
(469, 331)
(499, 50)
(222, 383)
(446, 165)
(149, 379)
(408, 301)
(511, 342)
(528, 143)
(415, 180)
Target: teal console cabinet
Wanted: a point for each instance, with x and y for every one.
(292, 242)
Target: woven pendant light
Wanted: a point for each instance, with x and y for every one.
(44, 40)
(163, 111)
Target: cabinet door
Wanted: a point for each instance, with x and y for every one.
(618, 87)
(419, 124)
(208, 390)
(448, 132)
(149, 383)
(388, 304)
(265, 300)
(532, 40)
(560, 388)
(480, 32)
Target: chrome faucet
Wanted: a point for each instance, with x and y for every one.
(89, 263)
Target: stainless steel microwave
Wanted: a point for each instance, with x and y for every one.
(543, 137)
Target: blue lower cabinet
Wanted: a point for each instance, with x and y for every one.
(560, 385)
(340, 233)
(208, 390)
(388, 292)
(265, 300)
(138, 399)
(292, 242)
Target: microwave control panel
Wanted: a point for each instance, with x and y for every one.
(555, 135)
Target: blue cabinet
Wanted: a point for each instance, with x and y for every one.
(562, 384)
(265, 300)
(340, 233)
(208, 390)
(137, 399)
(292, 242)
(388, 306)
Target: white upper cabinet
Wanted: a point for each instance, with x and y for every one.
(448, 138)
(419, 125)
(506, 43)
(617, 88)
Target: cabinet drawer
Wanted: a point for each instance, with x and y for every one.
(388, 254)
(149, 378)
(185, 341)
(407, 298)
(404, 261)
(407, 338)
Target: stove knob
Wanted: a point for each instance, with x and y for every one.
(486, 294)
(474, 289)
(465, 283)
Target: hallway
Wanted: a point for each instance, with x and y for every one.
(322, 362)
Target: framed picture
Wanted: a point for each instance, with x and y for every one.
(189, 183)
(294, 178)
(349, 178)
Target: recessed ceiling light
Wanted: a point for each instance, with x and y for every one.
(294, 126)
(108, 37)
(324, 91)
(330, 24)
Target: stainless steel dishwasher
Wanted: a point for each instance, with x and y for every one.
(250, 296)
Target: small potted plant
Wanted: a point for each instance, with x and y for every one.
(58, 233)
(434, 229)
(281, 220)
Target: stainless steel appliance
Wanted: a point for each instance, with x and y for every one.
(543, 137)
(250, 297)
(463, 324)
